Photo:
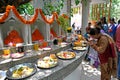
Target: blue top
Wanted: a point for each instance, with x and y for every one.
(105, 28)
(113, 28)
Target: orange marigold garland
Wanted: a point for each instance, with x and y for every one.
(5, 15)
(22, 19)
(32, 20)
(17, 15)
(65, 16)
(50, 21)
(55, 14)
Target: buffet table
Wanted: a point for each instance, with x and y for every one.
(59, 72)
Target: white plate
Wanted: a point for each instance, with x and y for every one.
(47, 48)
(79, 48)
(40, 49)
(2, 75)
(17, 55)
(47, 63)
(63, 43)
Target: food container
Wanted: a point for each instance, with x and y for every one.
(20, 47)
(6, 51)
(36, 46)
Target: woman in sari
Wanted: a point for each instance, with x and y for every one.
(105, 47)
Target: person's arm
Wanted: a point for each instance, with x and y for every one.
(102, 45)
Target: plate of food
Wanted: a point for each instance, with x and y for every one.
(63, 44)
(46, 48)
(47, 62)
(79, 48)
(66, 55)
(17, 55)
(21, 71)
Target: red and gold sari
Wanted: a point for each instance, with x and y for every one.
(107, 55)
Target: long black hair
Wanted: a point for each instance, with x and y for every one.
(119, 21)
(104, 20)
(94, 31)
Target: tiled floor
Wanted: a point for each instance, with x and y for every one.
(85, 72)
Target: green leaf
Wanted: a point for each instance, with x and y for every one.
(26, 8)
(77, 2)
(56, 7)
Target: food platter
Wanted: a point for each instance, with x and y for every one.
(47, 62)
(46, 48)
(63, 44)
(79, 48)
(21, 71)
(66, 55)
(17, 55)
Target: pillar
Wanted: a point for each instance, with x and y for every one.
(69, 9)
(85, 15)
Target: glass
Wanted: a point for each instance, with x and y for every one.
(59, 40)
(55, 42)
(36, 46)
(20, 49)
(6, 51)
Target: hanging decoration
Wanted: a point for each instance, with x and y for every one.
(22, 19)
(50, 21)
(33, 19)
(5, 15)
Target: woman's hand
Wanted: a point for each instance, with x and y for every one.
(91, 42)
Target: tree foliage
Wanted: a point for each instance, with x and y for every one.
(115, 9)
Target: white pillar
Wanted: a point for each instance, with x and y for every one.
(69, 9)
(85, 15)
(47, 32)
(1, 37)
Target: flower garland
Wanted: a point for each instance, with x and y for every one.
(3, 18)
(50, 21)
(33, 19)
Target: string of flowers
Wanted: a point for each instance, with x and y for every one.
(5, 15)
(33, 19)
(50, 21)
